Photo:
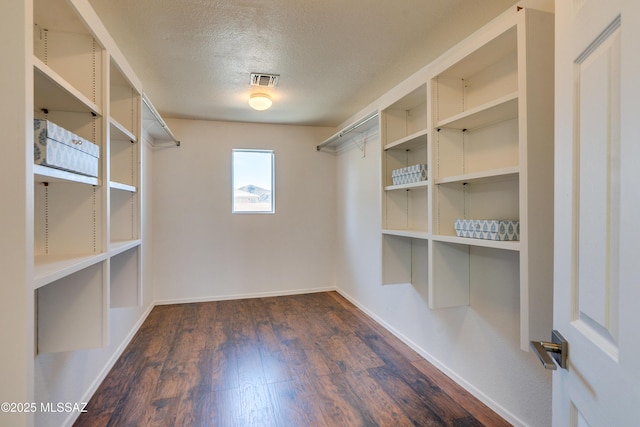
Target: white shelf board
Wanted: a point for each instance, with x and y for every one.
(116, 248)
(414, 234)
(496, 244)
(119, 132)
(409, 142)
(47, 174)
(420, 184)
(54, 93)
(49, 268)
(123, 187)
(498, 110)
(484, 176)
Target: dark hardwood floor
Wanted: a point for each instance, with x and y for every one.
(303, 360)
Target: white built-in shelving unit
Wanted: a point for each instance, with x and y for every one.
(405, 207)
(482, 121)
(70, 218)
(87, 230)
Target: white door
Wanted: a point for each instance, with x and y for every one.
(597, 219)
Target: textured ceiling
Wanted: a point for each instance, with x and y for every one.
(334, 57)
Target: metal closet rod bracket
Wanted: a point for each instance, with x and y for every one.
(348, 130)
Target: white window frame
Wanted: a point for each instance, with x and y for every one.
(273, 180)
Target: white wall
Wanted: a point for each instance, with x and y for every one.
(202, 251)
(477, 345)
(74, 376)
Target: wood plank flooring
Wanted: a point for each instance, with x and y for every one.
(303, 360)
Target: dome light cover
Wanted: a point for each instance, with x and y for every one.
(260, 101)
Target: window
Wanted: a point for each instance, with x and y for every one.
(253, 181)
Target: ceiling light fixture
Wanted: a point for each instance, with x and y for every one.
(260, 101)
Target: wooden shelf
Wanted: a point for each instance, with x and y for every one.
(496, 244)
(49, 268)
(119, 132)
(118, 247)
(484, 176)
(52, 92)
(123, 187)
(414, 234)
(410, 142)
(419, 184)
(47, 174)
(501, 109)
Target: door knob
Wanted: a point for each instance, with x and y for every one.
(558, 348)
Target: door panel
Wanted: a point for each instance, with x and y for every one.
(597, 101)
(597, 212)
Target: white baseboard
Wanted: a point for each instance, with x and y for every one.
(245, 296)
(497, 408)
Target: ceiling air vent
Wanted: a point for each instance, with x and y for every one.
(264, 80)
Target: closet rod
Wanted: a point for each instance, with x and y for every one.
(348, 129)
(156, 115)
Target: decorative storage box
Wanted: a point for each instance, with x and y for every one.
(58, 148)
(488, 229)
(409, 175)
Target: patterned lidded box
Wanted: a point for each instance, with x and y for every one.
(409, 175)
(59, 148)
(488, 229)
